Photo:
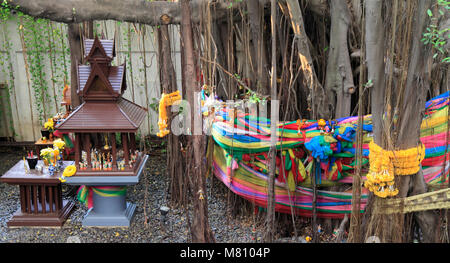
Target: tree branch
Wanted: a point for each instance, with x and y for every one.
(317, 97)
(137, 11)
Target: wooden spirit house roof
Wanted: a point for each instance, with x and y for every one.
(106, 46)
(101, 87)
(104, 116)
(116, 79)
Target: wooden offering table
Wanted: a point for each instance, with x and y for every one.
(41, 202)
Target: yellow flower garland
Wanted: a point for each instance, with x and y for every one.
(404, 162)
(68, 172)
(165, 101)
(385, 164)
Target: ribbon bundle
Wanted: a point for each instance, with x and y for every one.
(244, 138)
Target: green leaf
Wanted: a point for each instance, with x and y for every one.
(430, 14)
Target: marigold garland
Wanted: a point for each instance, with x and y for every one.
(165, 101)
(385, 164)
(68, 172)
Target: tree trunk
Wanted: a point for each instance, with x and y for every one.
(222, 83)
(175, 161)
(317, 98)
(88, 27)
(258, 56)
(133, 11)
(200, 229)
(269, 235)
(412, 106)
(75, 59)
(375, 64)
(374, 41)
(339, 77)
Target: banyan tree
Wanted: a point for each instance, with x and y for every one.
(322, 60)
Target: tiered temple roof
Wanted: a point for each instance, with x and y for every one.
(101, 87)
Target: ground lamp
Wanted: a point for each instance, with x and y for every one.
(164, 210)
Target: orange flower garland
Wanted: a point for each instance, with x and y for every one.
(165, 101)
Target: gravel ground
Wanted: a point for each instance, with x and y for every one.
(175, 230)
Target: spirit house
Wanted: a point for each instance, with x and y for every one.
(105, 123)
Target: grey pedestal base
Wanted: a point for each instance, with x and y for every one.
(117, 220)
(109, 211)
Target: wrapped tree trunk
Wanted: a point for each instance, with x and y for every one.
(405, 132)
(411, 118)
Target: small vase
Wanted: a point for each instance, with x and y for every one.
(59, 163)
(51, 136)
(32, 161)
(51, 170)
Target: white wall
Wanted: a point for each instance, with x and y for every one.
(23, 100)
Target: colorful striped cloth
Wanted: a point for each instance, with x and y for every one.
(85, 193)
(242, 144)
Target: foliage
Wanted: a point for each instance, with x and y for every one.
(43, 41)
(36, 49)
(434, 36)
(6, 63)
